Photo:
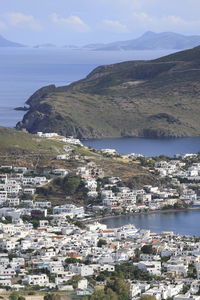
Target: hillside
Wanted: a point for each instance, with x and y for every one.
(13, 141)
(23, 149)
(157, 98)
(6, 43)
(152, 41)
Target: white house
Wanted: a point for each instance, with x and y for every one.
(153, 267)
(41, 280)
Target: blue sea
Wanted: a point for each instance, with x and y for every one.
(148, 146)
(185, 222)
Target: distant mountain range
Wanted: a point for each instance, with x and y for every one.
(151, 41)
(148, 41)
(6, 43)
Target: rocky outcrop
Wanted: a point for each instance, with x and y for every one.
(35, 121)
(35, 99)
(21, 108)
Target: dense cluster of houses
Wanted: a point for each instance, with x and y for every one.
(14, 183)
(18, 185)
(50, 253)
(118, 198)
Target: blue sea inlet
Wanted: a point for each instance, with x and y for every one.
(148, 146)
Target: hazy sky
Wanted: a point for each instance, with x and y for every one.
(86, 21)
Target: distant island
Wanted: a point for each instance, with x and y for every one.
(47, 45)
(151, 41)
(156, 98)
(6, 43)
(148, 41)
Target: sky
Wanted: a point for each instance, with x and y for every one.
(81, 22)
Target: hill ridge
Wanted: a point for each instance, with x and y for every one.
(152, 41)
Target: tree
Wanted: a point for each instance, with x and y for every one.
(137, 253)
(185, 289)
(101, 243)
(71, 184)
(102, 276)
(21, 298)
(164, 258)
(115, 189)
(74, 281)
(111, 295)
(104, 295)
(128, 271)
(163, 157)
(79, 224)
(192, 271)
(16, 296)
(46, 191)
(148, 249)
(71, 260)
(120, 287)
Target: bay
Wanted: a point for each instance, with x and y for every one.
(184, 222)
(147, 146)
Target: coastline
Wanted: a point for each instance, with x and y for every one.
(99, 219)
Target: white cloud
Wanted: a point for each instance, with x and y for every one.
(114, 26)
(176, 20)
(17, 19)
(72, 22)
(163, 23)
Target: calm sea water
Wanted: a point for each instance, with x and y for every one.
(187, 222)
(24, 70)
(148, 146)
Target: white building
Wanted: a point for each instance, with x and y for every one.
(41, 280)
(153, 267)
(83, 284)
(82, 270)
(69, 209)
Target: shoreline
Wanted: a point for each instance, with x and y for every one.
(138, 137)
(99, 219)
